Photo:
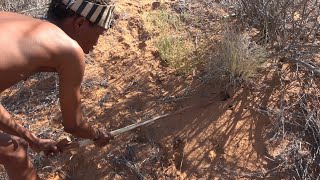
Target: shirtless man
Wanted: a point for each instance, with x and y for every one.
(28, 46)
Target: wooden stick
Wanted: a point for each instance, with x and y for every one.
(67, 144)
(86, 142)
(77, 144)
(136, 125)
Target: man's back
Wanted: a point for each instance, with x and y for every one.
(28, 46)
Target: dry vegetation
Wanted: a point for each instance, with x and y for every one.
(290, 29)
(270, 46)
(237, 58)
(174, 44)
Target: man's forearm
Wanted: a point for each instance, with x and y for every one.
(10, 126)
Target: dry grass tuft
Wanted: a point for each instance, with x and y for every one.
(237, 58)
(161, 22)
(177, 53)
(174, 44)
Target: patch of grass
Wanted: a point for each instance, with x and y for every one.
(237, 58)
(177, 52)
(161, 22)
(171, 39)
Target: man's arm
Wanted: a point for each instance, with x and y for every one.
(10, 126)
(71, 73)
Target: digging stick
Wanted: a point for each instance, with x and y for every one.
(67, 144)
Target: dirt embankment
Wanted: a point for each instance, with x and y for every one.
(213, 134)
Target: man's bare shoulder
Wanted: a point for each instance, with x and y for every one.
(38, 33)
(60, 44)
(32, 45)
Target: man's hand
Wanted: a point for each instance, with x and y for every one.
(48, 146)
(103, 138)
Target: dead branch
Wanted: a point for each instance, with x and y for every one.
(306, 65)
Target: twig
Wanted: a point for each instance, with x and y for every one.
(307, 65)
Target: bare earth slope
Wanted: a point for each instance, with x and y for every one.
(210, 136)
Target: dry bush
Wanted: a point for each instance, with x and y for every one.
(237, 57)
(282, 23)
(291, 29)
(297, 121)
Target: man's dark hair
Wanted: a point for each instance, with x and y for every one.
(57, 11)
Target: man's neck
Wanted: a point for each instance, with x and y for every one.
(53, 22)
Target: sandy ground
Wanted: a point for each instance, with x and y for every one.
(209, 134)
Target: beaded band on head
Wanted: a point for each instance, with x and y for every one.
(100, 14)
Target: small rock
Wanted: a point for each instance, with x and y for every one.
(104, 83)
(212, 155)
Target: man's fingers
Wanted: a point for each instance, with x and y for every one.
(50, 154)
(55, 150)
(102, 142)
(52, 150)
(110, 136)
(62, 144)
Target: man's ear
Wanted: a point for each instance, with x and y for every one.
(79, 23)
